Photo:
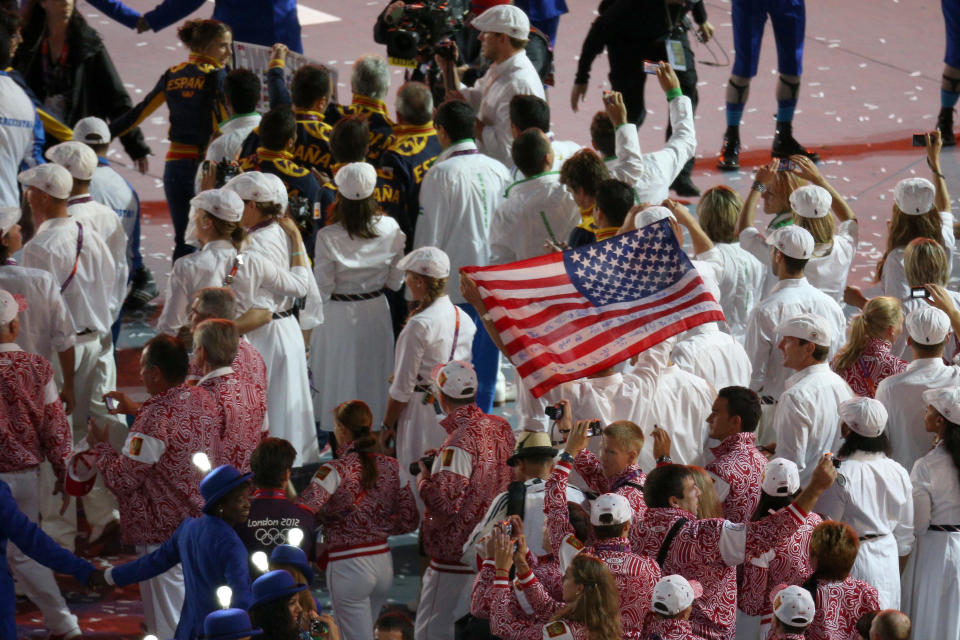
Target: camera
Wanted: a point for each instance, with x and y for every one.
(319, 629)
(919, 139)
(225, 171)
(415, 467)
(836, 463)
(786, 165)
(423, 25)
(594, 428)
(650, 67)
(919, 292)
(506, 526)
(554, 412)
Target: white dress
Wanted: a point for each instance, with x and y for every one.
(351, 356)
(931, 583)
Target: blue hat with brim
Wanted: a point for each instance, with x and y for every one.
(274, 585)
(218, 483)
(293, 556)
(228, 624)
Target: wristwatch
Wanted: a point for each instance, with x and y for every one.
(664, 460)
(566, 457)
(758, 186)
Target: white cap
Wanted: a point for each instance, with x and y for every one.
(504, 18)
(928, 325)
(652, 214)
(52, 179)
(865, 416)
(76, 157)
(614, 504)
(278, 191)
(946, 401)
(794, 606)
(251, 185)
(811, 201)
(9, 216)
(356, 181)
(780, 477)
(456, 379)
(91, 129)
(221, 203)
(807, 326)
(427, 261)
(673, 594)
(793, 241)
(914, 196)
(10, 306)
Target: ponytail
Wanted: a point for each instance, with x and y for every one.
(436, 287)
(197, 34)
(878, 316)
(231, 231)
(355, 416)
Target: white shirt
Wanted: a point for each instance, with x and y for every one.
(490, 98)
(788, 299)
(358, 265)
(894, 280)
(741, 285)
(109, 187)
(46, 326)
(104, 221)
(901, 395)
(17, 121)
(254, 284)
(807, 422)
(426, 341)
(562, 150)
(536, 209)
(272, 242)
(876, 498)
(91, 294)
(457, 199)
(683, 402)
(228, 144)
(713, 355)
(936, 490)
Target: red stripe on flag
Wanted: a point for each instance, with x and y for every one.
(532, 283)
(516, 303)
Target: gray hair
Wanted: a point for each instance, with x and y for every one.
(219, 339)
(415, 103)
(371, 77)
(216, 302)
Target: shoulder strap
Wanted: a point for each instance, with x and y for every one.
(456, 334)
(237, 261)
(76, 260)
(634, 485)
(668, 540)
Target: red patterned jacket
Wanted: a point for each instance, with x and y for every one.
(468, 473)
(876, 363)
(33, 425)
(839, 605)
(156, 484)
(628, 483)
(708, 551)
(546, 569)
(357, 518)
(248, 363)
(738, 467)
(669, 629)
(243, 408)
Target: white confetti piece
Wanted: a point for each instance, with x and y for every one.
(914, 74)
(141, 44)
(883, 41)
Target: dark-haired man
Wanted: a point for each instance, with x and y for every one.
(277, 135)
(528, 111)
(582, 174)
(241, 91)
(614, 200)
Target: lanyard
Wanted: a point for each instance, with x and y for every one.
(237, 261)
(464, 152)
(261, 225)
(869, 380)
(83, 199)
(456, 334)
(628, 479)
(76, 261)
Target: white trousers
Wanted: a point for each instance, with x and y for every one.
(36, 580)
(358, 589)
(748, 627)
(162, 598)
(444, 599)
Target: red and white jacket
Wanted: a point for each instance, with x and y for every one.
(248, 363)
(243, 411)
(709, 551)
(737, 469)
(468, 473)
(787, 563)
(357, 520)
(154, 479)
(546, 569)
(628, 483)
(669, 629)
(839, 605)
(33, 426)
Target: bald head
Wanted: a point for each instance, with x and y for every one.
(890, 624)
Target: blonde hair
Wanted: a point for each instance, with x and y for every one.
(626, 434)
(598, 607)
(820, 228)
(710, 505)
(436, 288)
(784, 184)
(925, 262)
(718, 211)
(878, 316)
(905, 227)
(233, 232)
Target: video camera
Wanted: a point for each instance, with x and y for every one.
(424, 25)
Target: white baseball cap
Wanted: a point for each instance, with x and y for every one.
(356, 180)
(945, 401)
(652, 214)
(278, 191)
(427, 261)
(91, 129)
(865, 416)
(780, 477)
(10, 306)
(221, 203)
(9, 216)
(928, 325)
(807, 326)
(251, 185)
(504, 18)
(76, 157)
(792, 241)
(52, 179)
(811, 201)
(794, 606)
(614, 504)
(456, 379)
(914, 196)
(673, 594)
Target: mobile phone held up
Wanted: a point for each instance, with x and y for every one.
(650, 67)
(919, 292)
(919, 139)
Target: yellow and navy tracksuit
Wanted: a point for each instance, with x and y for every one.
(193, 91)
(381, 126)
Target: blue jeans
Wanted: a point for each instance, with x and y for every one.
(486, 361)
(178, 188)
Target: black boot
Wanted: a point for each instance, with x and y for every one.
(143, 289)
(785, 145)
(945, 125)
(683, 185)
(730, 154)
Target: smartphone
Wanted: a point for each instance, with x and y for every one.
(919, 139)
(111, 403)
(650, 67)
(919, 292)
(595, 428)
(786, 165)
(607, 94)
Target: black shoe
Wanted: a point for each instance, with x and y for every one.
(730, 154)
(785, 145)
(143, 289)
(945, 125)
(683, 186)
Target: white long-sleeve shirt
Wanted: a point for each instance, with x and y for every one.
(104, 221)
(18, 119)
(788, 299)
(110, 188)
(901, 395)
(457, 199)
(713, 355)
(536, 209)
(358, 265)
(740, 284)
(807, 422)
(46, 326)
(936, 490)
(683, 402)
(271, 242)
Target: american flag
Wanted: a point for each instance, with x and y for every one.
(567, 315)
